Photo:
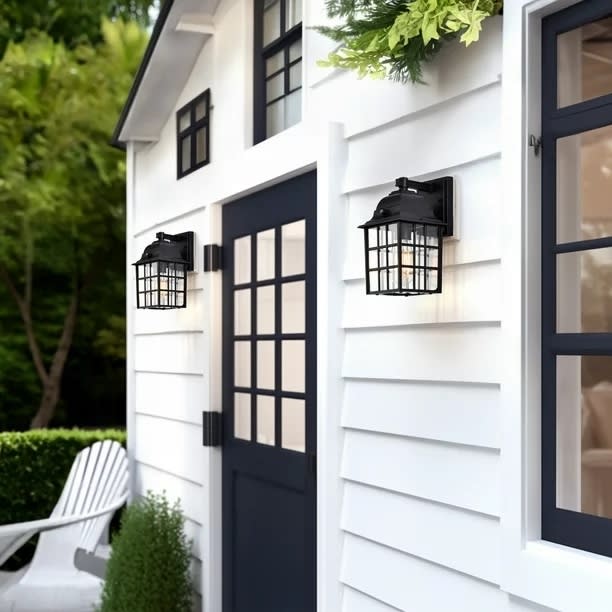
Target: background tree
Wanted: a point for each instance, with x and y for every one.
(62, 195)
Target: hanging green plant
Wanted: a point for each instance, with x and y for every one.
(394, 38)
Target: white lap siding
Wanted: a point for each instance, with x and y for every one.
(420, 469)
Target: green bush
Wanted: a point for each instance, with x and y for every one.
(148, 570)
(34, 466)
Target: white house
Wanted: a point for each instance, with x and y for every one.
(441, 452)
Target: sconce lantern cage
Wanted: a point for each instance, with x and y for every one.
(403, 239)
(161, 272)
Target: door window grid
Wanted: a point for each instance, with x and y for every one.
(572, 348)
(281, 384)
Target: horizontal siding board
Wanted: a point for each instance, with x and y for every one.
(440, 128)
(456, 71)
(461, 540)
(355, 601)
(172, 353)
(462, 476)
(190, 494)
(463, 414)
(171, 446)
(471, 294)
(171, 396)
(462, 353)
(412, 584)
(477, 215)
(189, 319)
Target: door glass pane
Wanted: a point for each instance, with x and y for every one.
(275, 118)
(242, 312)
(201, 151)
(295, 76)
(584, 184)
(584, 59)
(265, 419)
(186, 153)
(294, 304)
(584, 291)
(265, 255)
(584, 434)
(271, 21)
(242, 260)
(293, 239)
(275, 87)
(293, 108)
(293, 13)
(293, 359)
(293, 424)
(265, 309)
(275, 63)
(242, 364)
(242, 416)
(265, 364)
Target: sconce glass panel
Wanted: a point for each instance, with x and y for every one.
(404, 258)
(161, 285)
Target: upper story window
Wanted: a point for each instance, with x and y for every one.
(193, 134)
(278, 66)
(577, 277)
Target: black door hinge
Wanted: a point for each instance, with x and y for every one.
(535, 143)
(212, 428)
(213, 257)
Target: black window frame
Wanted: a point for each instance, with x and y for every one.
(190, 132)
(260, 55)
(570, 528)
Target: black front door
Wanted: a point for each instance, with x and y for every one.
(269, 400)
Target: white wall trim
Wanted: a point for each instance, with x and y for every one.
(559, 577)
(332, 157)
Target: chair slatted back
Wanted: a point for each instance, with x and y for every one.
(98, 478)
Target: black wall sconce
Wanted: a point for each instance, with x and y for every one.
(403, 240)
(161, 272)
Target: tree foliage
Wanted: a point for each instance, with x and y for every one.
(62, 187)
(72, 22)
(394, 38)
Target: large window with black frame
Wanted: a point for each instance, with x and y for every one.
(193, 135)
(577, 277)
(278, 66)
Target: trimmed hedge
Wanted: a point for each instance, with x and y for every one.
(34, 466)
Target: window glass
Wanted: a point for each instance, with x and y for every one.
(293, 13)
(584, 291)
(201, 152)
(275, 118)
(275, 63)
(584, 434)
(242, 416)
(584, 58)
(275, 86)
(293, 424)
(584, 184)
(293, 108)
(295, 76)
(242, 260)
(265, 419)
(242, 364)
(186, 153)
(293, 244)
(271, 21)
(184, 120)
(295, 50)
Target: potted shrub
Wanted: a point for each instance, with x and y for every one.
(148, 570)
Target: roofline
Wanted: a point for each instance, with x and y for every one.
(144, 64)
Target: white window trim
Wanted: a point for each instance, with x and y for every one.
(549, 574)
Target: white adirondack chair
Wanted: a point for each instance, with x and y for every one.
(95, 488)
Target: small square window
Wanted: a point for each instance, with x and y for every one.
(193, 134)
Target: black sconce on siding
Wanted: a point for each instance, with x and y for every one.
(403, 240)
(161, 272)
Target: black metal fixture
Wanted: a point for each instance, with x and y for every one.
(213, 257)
(161, 272)
(403, 240)
(212, 432)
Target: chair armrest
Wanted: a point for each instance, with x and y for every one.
(15, 535)
(93, 563)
